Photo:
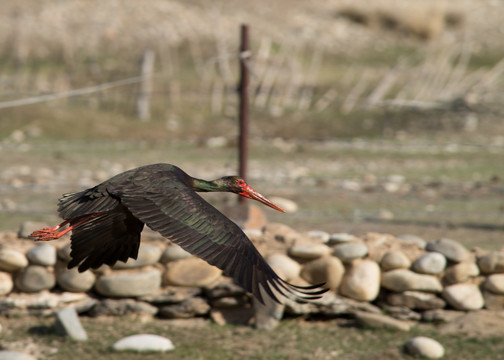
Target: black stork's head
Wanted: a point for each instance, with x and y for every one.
(237, 185)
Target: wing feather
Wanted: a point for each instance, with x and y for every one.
(181, 215)
(159, 196)
(105, 239)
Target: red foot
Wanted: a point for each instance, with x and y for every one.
(53, 233)
(47, 234)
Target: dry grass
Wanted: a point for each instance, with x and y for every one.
(312, 63)
(311, 60)
(425, 22)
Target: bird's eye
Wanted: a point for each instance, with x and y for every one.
(241, 182)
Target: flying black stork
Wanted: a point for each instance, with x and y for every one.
(106, 222)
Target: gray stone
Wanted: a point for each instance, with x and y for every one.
(75, 281)
(350, 251)
(191, 272)
(318, 236)
(34, 278)
(381, 321)
(413, 239)
(416, 300)
(312, 251)
(425, 347)
(144, 343)
(173, 253)
(12, 260)
(394, 259)
(64, 252)
(495, 283)
(340, 238)
(430, 263)
(492, 263)
(129, 284)
(460, 272)
(147, 255)
(464, 297)
(192, 307)
(67, 323)
(328, 270)
(15, 355)
(44, 254)
(451, 249)
(6, 283)
(362, 281)
(289, 268)
(402, 280)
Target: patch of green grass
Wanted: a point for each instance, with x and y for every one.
(292, 339)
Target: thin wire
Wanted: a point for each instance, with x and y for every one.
(76, 92)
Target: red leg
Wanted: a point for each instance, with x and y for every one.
(47, 234)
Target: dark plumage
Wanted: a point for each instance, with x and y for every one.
(106, 222)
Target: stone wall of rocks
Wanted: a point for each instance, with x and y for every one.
(405, 277)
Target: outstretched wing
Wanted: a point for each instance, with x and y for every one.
(112, 233)
(176, 211)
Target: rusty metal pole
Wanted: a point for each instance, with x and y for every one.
(244, 103)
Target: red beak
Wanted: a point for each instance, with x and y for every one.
(250, 193)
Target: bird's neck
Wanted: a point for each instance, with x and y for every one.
(208, 186)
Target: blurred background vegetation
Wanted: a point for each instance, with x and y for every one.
(381, 113)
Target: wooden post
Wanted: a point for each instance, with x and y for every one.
(143, 102)
(244, 103)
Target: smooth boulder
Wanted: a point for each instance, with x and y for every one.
(129, 284)
(394, 259)
(495, 283)
(492, 263)
(289, 268)
(6, 283)
(328, 270)
(309, 252)
(460, 272)
(464, 297)
(12, 260)
(362, 281)
(192, 272)
(143, 343)
(350, 251)
(403, 280)
(451, 249)
(424, 347)
(147, 255)
(44, 255)
(431, 263)
(75, 281)
(35, 278)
